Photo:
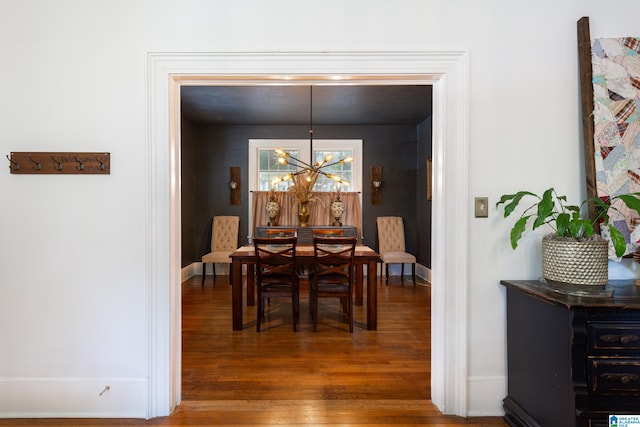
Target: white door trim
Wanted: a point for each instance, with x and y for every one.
(447, 71)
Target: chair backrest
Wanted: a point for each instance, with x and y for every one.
(276, 259)
(333, 259)
(328, 232)
(281, 232)
(390, 234)
(224, 234)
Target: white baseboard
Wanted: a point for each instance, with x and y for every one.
(485, 396)
(73, 398)
(196, 268)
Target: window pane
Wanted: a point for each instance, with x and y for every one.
(343, 170)
(269, 169)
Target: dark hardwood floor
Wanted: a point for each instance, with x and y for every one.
(278, 377)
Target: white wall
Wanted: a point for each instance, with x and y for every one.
(75, 278)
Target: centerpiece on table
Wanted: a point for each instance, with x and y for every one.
(574, 253)
(302, 192)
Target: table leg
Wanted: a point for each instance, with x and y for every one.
(359, 283)
(251, 287)
(236, 295)
(372, 296)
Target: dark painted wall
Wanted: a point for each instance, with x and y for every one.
(190, 250)
(423, 206)
(209, 151)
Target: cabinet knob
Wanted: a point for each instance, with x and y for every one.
(623, 378)
(622, 339)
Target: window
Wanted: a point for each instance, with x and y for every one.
(264, 166)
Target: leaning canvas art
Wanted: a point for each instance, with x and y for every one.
(616, 115)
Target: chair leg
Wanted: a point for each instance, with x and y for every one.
(259, 313)
(204, 272)
(402, 272)
(294, 312)
(214, 271)
(350, 310)
(413, 273)
(387, 273)
(230, 274)
(315, 310)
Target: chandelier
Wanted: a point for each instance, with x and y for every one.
(307, 173)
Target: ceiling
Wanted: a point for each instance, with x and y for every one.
(290, 105)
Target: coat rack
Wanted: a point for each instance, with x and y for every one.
(59, 163)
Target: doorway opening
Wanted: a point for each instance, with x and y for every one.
(447, 71)
(219, 140)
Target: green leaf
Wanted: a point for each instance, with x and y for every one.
(517, 230)
(515, 200)
(602, 209)
(545, 208)
(631, 201)
(619, 244)
(562, 224)
(576, 228)
(588, 228)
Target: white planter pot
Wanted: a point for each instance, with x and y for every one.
(574, 262)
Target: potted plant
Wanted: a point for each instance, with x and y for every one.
(574, 253)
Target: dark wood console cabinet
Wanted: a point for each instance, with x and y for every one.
(573, 360)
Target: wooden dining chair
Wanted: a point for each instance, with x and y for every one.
(281, 232)
(332, 275)
(328, 232)
(276, 274)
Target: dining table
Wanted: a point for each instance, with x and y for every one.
(365, 257)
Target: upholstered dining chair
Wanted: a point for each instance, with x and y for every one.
(391, 246)
(276, 274)
(332, 275)
(224, 241)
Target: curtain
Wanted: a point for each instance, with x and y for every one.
(319, 211)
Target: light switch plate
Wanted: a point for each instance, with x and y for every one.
(482, 207)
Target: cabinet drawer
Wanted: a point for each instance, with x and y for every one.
(614, 336)
(609, 375)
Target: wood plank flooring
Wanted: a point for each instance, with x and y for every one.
(278, 377)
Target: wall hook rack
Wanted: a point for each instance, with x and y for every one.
(80, 163)
(36, 165)
(60, 163)
(14, 166)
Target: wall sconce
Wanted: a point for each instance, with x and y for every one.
(234, 185)
(376, 185)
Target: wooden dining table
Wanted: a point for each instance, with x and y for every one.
(364, 257)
